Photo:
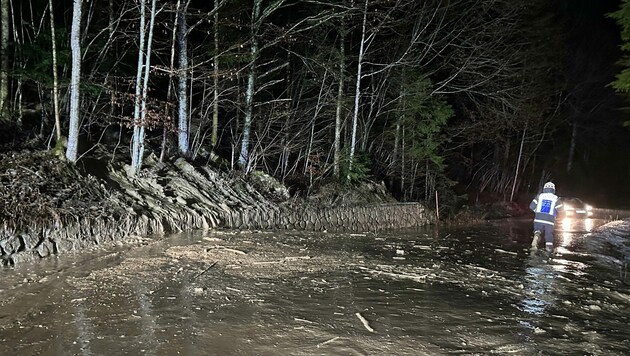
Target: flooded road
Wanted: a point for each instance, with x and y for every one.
(458, 290)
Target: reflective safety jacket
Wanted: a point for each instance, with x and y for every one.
(546, 205)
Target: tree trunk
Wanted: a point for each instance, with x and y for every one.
(251, 82)
(518, 163)
(215, 106)
(55, 79)
(4, 59)
(357, 94)
(394, 162)
(169, 91)
(338, 121)
(402, 161)
(136, 160)
(75, 80)
(182, 92)
(399, 121)
(141, 123)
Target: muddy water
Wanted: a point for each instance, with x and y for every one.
(468, 290)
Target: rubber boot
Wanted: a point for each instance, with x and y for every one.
(536, 240)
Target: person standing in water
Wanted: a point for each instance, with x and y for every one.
(546, 206)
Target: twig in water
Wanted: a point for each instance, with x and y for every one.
(365, 322)
(204, 271)
(504, 251)
(239, 252)
(327, 341)
(304, 320)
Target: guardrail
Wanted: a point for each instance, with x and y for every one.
(610, 214)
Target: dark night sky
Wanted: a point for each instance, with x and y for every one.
(601, 166)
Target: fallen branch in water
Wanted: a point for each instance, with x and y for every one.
(227, 249)
(504, 251)
(327, 341)
(304, 320)
(413, 277)
(365, 322)
(204, 271)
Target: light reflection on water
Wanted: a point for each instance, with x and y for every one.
(536, 290)
(436, 291)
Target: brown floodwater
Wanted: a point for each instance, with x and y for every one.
(456, 290)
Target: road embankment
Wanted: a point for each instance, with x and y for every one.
(49, 207)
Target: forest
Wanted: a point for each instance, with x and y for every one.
(425, 96)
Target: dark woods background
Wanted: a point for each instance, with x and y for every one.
(488, 97)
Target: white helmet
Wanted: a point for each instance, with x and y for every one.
(550, 185)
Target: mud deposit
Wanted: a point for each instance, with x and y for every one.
(423, 292)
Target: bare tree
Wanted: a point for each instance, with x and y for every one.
(182, 91)
(75, 81)
(339, 105)
(4, 57)
(142, 83)
(215, 105)
(251, 82)
(55, 90)
(357, 94)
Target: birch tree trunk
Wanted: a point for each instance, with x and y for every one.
(135, 160)
(357, 94)
(251, 83)
(145, 84)
(215, 106)
(4, 59)
(182, 92)
(338, 121)
(169, 92)
(141, 101)
(55, 90)
(75, 79)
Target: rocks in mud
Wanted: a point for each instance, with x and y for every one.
(269, 187)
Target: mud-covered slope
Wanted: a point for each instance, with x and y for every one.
(48, 206)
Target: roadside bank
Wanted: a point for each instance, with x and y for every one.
(48, 207)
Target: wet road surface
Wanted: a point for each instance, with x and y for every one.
(458, 290)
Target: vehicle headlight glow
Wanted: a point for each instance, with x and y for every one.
(589, 224)
(588, 207)
(566, 225)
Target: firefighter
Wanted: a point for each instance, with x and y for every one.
(546, 206)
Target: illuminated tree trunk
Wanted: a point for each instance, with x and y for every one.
(169, 92)
(338, 121)
(215, 107)
(55, 79)
(251, 83)
(142, 83)
(75, 80)
(4, 58)
(182, 90)
(357, 95)
(135, 159)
